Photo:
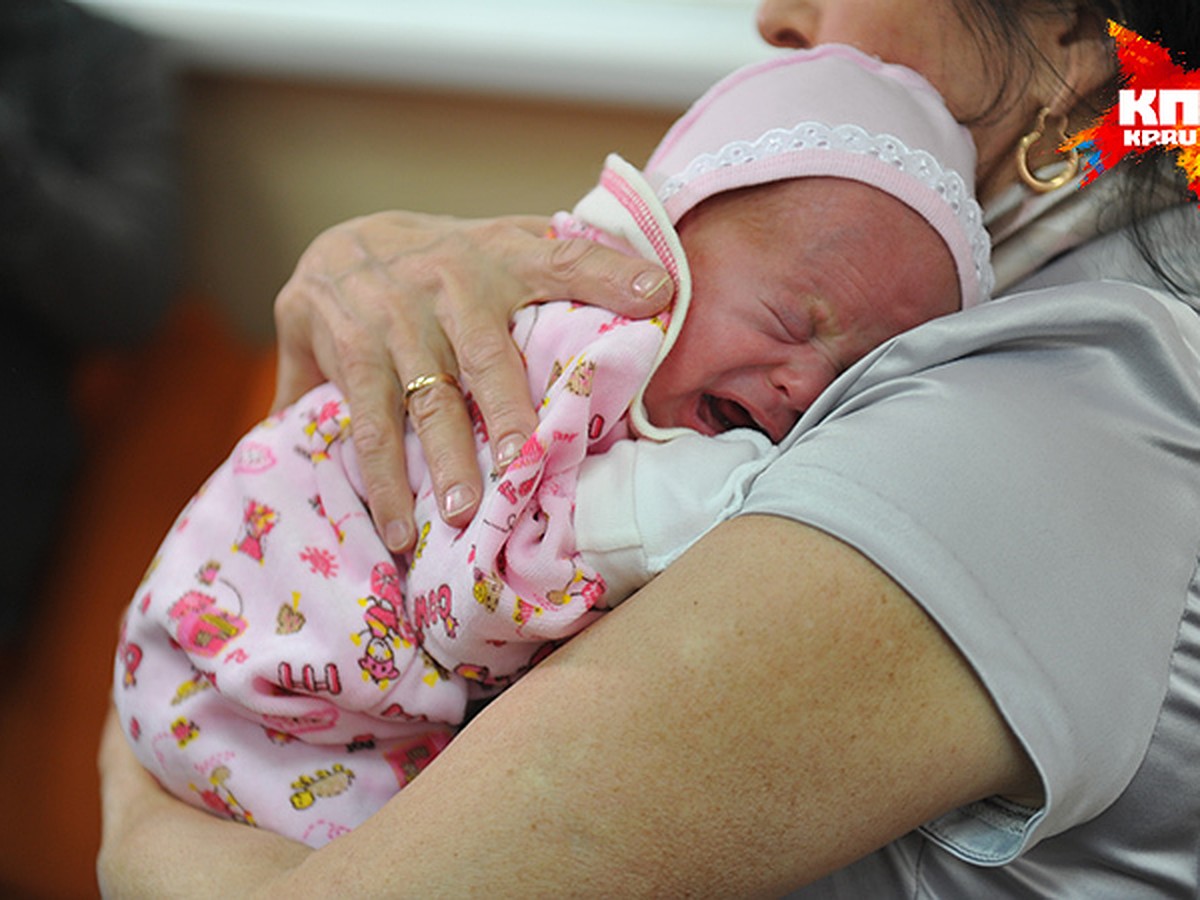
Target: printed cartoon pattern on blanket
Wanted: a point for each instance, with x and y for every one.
(280, 667)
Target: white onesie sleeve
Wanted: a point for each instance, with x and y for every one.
(643, 503)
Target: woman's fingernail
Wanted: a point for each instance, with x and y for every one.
(649, 284)
(457, 499)
(397, 535)
(508, 449)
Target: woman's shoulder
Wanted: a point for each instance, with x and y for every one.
(1136, 328)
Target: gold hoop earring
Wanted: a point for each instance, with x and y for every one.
(1070, 163)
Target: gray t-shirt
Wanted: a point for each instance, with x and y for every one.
(1030, 472)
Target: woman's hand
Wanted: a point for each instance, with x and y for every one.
(146, 833)
(125, 787)
(381, 300)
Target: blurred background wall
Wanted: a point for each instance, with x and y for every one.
(297, 115)
(269, 164)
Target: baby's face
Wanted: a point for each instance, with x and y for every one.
(792, 283)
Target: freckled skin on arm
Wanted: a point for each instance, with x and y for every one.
(732, 729)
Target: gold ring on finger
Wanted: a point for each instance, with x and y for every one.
(422, 382)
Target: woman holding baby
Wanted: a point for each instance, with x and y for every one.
(951, 646)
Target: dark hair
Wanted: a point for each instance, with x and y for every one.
(1004, 34)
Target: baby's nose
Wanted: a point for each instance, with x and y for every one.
(797, 385)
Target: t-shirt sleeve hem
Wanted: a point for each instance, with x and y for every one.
(990, 832)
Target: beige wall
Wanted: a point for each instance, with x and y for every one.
(269, 164)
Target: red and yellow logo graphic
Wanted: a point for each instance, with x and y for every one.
(1159, 106)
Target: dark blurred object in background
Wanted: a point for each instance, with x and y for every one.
(89, 248)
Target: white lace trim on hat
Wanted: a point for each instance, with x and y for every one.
(921, 165)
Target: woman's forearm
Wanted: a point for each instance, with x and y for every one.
(734, 728)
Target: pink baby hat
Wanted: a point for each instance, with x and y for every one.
(832, 111)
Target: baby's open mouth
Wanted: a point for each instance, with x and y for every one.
(725, 414)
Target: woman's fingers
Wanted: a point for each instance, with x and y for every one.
(297, 369)
(590, 272)
(439, 416)
(515, 260)
(332, 319)
(377, 428)
(125, 787)
(492, 372)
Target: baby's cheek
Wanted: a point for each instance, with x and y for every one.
(654, 401)
(816, 375)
